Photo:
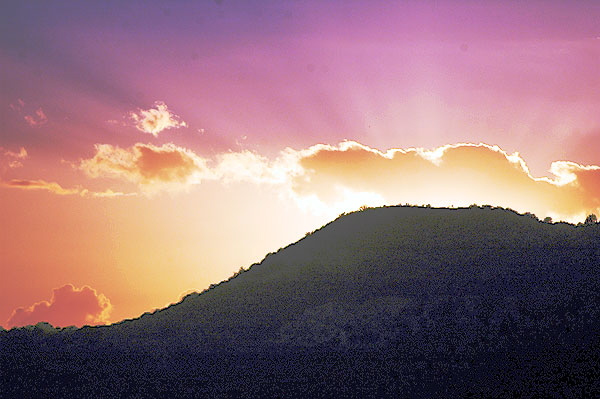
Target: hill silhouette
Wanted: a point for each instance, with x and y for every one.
(392, 301)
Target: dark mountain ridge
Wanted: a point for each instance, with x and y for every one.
(407, 301)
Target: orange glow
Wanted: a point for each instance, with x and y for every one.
(141, 247)
(455, 175)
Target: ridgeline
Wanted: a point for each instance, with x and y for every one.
(386, 302)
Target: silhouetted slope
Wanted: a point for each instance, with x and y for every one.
(388, 255)
(385, 301)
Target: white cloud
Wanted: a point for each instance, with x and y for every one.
(251, 167)
(155, 120)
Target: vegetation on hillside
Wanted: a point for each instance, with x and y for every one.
(413, 301)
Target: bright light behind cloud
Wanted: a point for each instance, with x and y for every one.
(341, 178)
(452, 175)
(252, 167)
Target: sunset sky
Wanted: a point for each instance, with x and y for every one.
(151, 148)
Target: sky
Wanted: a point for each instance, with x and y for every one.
(149, 149)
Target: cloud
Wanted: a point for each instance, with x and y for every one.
(458, 175)
(41, 185)
(22, 154)
(68, 306)
(332, 179)
(251, 167)
(12, 159)
(18, 105)
(106, 194)
(37, 119)
(170, 167)
(55, 188)
(151, 167)
(157, 119)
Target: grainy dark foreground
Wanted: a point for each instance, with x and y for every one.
(387, 302)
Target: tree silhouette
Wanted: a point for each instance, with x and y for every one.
(591, 219)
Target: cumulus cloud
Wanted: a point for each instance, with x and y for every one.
(457, 175)
(68, 306)
(152, 167)
(155, 120)
(172, 167)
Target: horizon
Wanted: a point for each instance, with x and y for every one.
(141, 142)
(16, 324)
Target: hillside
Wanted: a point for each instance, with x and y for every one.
(416, 301)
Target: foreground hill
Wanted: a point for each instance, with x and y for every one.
(397, 300)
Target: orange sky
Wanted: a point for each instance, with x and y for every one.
(150, 149)
(187, 221)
